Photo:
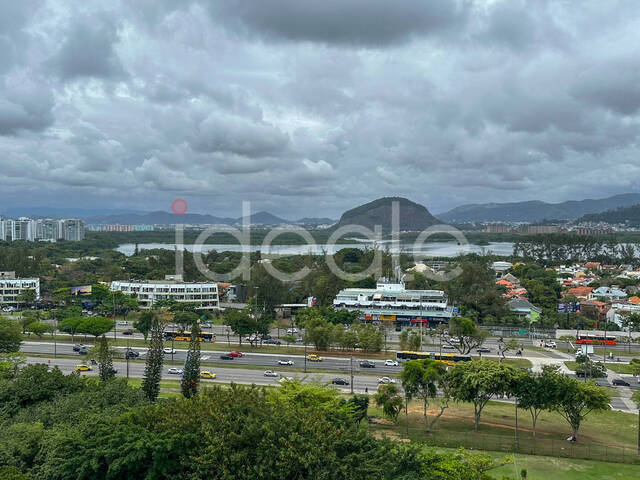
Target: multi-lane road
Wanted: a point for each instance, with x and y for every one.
(224, 375)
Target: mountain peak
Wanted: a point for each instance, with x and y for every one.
(413, 216)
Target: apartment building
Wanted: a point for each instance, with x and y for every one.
(150, 291)
(46, 229)
(11, 287)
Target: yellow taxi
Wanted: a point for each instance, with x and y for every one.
(314, 358)
(83, 368)
(207, 374)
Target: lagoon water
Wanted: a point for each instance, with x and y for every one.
(432, 249)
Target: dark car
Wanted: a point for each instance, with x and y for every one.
(483, 350)
(339, 381)
(131, 354)
(83, 351)
(226, 356)
(78, 346)
(621, 383)
(367, 364)
(271, 341)
(128, 332)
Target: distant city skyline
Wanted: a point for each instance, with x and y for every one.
(312, 108)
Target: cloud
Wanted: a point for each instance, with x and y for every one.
(354, 22)
(317, 106)
(88, 50)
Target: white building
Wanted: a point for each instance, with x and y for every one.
(619, 309)
(11, 287)
(48, 229)
(150, 291)
(390, 301)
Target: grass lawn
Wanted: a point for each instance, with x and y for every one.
(620, 367)
(514, 362)
(547, 468)
(609, 435)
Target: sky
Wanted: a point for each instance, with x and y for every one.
(309, 108)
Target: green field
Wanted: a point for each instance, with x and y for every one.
(609, 436)
(549, 468)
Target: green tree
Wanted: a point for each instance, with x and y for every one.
(96, 326)
(10, 335)
(28, 317)
(144, 323)
(510, 345)
(38, 328)
(469, 336)
(319, 332)
(105, 360)
(359, 405)
(10, 364)
(240, 323)
(420, 378)
(478, 381)
(574, 400)
(388, 397)
(289, 339)
(71, 325)
(26, 297)
(185, 319)
(533, 392)
(191, 373)
(155, 356)
(371, 339)
(403, 340)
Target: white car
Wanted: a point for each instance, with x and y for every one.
(285, 362)
(123, 324)
(390, 363)
(291, 331)
(386, 380)
(168, 350)
(174, 371)
(270, 373)
(448, 347)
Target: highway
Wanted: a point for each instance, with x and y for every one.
(268, 360)
(223, 375)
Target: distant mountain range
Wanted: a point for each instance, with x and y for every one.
(413, 216)
(165, 218)
(536, 210)
(623, 215)
(52, 212)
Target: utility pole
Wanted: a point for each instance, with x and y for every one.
(126, 355)
(55, 327)
(113, 297)
(604, 354)
(351, 374)
(516, 429)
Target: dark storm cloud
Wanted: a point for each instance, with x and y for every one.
(357, 22)
(88, 50)
(309, 107)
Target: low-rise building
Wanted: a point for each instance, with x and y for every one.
(391, 302)
(205, 294)
(608, 293)
(11, 287)
(524, 308)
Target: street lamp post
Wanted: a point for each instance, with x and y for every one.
(113, 298)
(55, 327)
(126, 355)
(351, 364)
(305, 356)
